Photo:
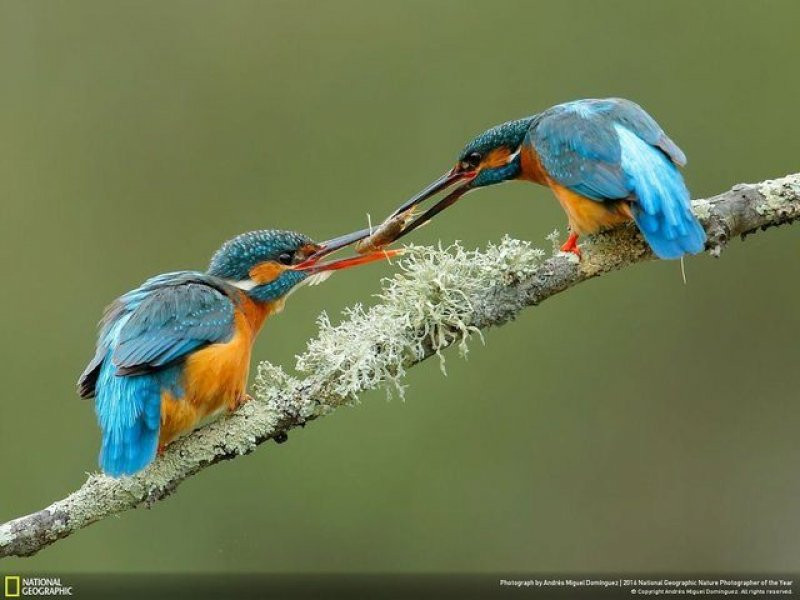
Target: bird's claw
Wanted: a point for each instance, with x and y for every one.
(571, 245)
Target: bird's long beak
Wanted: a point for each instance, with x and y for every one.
(312, 264)
(445, 181)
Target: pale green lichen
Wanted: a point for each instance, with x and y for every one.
(554, 238)
(775, 195)
(6, 537)
(276, 388)
(702, 208)
(424, 308)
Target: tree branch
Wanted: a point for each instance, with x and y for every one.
(439, 298)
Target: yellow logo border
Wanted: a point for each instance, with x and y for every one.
(7, 587)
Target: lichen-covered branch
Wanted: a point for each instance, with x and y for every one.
(439, 297)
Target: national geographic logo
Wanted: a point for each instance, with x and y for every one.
(16, 586)
(12, 586)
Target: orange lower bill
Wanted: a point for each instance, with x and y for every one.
(346, 263)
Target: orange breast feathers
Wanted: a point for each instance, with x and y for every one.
(530, 166)
(587, 216)
(214, 377)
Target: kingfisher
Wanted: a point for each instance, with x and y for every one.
(606, 160)
(176, 350)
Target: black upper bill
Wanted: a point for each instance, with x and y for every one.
(445, 181)
(337, 243)
(434, 210)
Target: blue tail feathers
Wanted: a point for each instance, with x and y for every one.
(129, 413)
(662, 211)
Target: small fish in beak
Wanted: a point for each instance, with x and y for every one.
(386, 232)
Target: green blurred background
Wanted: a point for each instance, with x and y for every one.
(634, 423)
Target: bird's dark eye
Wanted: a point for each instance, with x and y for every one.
(471, 161)
(285, 258)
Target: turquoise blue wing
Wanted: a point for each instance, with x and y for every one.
(580, 150)
(155, 317)
(579, 147)
(170, 322)
(635, 118)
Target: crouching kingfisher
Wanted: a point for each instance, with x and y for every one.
(177, 349)
(607, 162)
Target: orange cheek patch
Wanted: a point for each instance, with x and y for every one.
(496, 158)
(266, 272)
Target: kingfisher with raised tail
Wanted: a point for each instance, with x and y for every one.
(177, 349)
(607, 162)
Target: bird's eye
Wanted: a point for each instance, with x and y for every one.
(471, 161)
(285, 258)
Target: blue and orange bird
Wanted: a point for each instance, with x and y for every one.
(607, 162)
(177, 349)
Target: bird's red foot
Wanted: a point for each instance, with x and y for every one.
(571, 245)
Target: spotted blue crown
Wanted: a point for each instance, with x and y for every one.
(237, 256)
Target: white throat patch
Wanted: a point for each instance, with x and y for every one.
(243, 284)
